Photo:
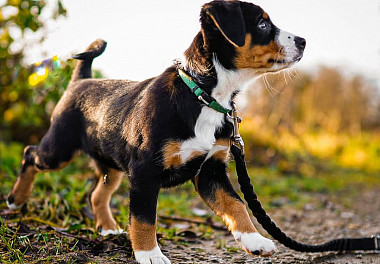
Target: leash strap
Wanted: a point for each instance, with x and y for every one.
(343, 244)
(201, 94)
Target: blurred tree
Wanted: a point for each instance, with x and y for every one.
(23, 106)
(296, 117)
(328, 101)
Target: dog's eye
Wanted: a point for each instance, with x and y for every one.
(263, 24)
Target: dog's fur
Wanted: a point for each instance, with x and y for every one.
(158, 133)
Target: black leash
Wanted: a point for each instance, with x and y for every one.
(344, 244)
(237, 149)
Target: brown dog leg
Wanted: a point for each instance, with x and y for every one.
(216, 190)
(100, 200)
(56, 150)
(32, 163)
(24, 183)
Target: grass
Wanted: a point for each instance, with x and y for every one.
(11, 242)
(45, 244)
(60, 200)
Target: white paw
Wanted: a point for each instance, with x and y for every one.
(255, 243)
(154, 256)
(13, 206)
(111, 232)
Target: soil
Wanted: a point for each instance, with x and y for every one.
(317, 222)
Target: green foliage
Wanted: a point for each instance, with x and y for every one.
(22, 106)
(181, 203)
(10, 158)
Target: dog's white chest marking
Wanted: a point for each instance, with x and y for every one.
(207, 123)
(209, 120)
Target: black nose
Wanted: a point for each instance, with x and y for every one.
(300, 42)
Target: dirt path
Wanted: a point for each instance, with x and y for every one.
(311, 225)
(315, 223)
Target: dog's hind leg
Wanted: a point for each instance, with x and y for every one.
(24, 183)
(56, 150)
(215, 188)
(31, 165)
(108, 182)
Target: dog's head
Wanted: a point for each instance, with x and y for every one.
(240, 35)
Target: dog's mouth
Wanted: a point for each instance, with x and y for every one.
(287, 61)
(277, 61)
(299, 57)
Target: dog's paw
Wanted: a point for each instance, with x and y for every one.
(11, 203)
(154, 256)
(256, 244)
(111, 232)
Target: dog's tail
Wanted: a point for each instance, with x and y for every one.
(83, 68)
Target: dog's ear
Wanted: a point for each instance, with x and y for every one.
(228, 18)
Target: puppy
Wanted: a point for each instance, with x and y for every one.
(166, 130)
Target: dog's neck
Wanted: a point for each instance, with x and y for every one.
(206, 70)
(197, 62)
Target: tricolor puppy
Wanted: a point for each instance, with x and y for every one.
(166, 130)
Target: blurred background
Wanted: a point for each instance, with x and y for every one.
(327, 108)
(312, 133)
(314, 128)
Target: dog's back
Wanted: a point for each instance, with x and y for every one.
(112, 119)
(94, 110)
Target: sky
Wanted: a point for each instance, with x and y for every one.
(144, 37)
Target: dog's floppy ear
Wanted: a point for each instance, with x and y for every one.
(228, 18)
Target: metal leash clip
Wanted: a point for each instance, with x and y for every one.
(376, 239)
(236, 139)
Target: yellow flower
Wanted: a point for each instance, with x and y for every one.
(37, 77)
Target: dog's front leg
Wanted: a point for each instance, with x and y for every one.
(143, 219)
(213, 185)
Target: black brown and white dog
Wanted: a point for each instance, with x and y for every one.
(158, 132)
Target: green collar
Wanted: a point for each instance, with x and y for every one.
(201, 94)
